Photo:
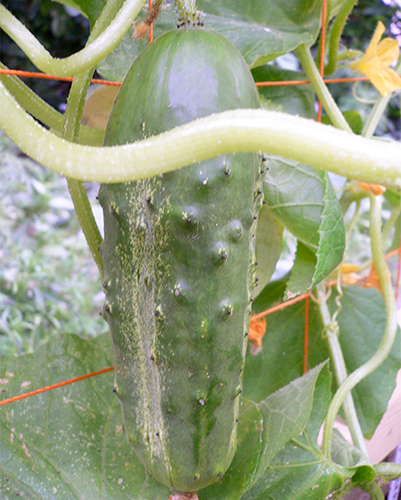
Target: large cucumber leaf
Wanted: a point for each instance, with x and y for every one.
(293, 99)
(300, 470)
(362, 322)
(270, 424)
(299, 196)
(285, 24)
(281, 357)
(261, 30)
(69, 444)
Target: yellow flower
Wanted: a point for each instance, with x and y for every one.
(376, 62)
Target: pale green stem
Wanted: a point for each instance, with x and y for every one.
(337, 360)
(352, 222)
(40, 110)
(395, 213)
(86, 220)
(335, 34)
(391, 325)
(313, 75)
(320, 146)
(388, 470)
(86, 58)
(378, 110)
(72, 124)
(76, 188)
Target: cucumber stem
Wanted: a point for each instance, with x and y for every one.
(44, 113)
(335, 35)
(86, 58)
(312, 72)
(391, 325)
(72, 124)
(242, 130)
(337, 359)
(188, 15)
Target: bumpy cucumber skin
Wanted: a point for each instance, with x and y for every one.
(179, 264)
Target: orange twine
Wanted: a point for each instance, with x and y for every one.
(32, 74)
(55, 386)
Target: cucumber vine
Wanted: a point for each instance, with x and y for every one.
(76, 152)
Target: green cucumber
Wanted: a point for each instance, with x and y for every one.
(179, 264)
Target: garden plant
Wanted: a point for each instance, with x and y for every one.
(200, 394)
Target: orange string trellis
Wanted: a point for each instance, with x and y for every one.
(257, 316)
(55, 386)
(32, 74)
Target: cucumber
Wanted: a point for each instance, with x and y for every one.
(179, 265)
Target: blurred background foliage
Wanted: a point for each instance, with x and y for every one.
(48, 281)
(62, 31)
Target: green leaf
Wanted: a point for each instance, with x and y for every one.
(242, 470)
(362, 322)
(271, 295)
(353, 462)
(304, 201)
(260, 30)
(281, 358)
(68, 443)
(264, 30)
(299, 471)
(286, 412)
(89, 8)
(264, 429)
(269, 239)
(348, 456)
(295, 194)
(352, 117)
(303, 270)
(293, 99)
(331, 235)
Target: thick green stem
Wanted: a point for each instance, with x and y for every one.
(76, 188)
(391, 325)
(320, 88)
(335, 35)
(72, 124)
(340, 371)
(44, 113)
(86, 58)
(395, 213)
(388, 471)
(320, 146)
